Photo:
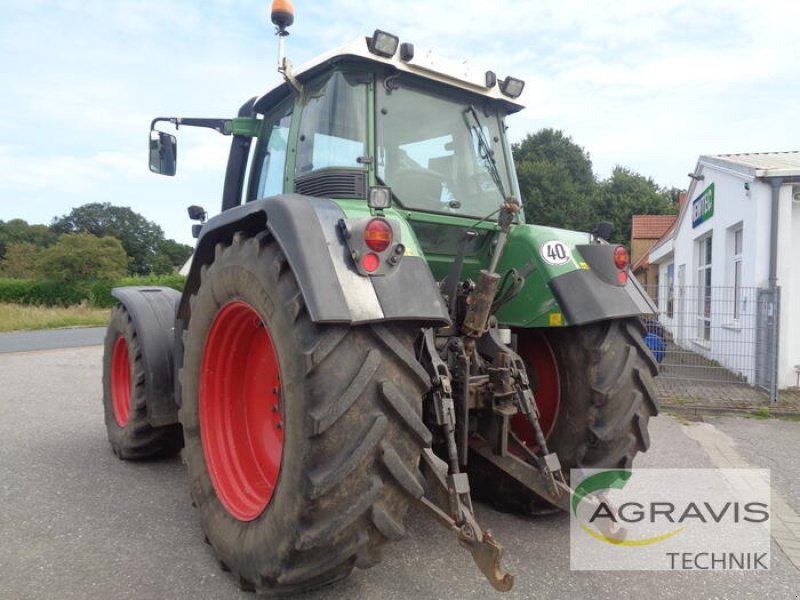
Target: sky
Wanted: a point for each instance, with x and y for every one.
(648, 85)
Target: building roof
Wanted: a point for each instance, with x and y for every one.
(749, 165)
(651, 227)
(642, 263)
(758, 164)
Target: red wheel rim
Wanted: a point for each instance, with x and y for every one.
(240, 418)
(535, 350)
(121, 382)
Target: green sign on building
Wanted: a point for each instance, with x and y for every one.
(703, 206)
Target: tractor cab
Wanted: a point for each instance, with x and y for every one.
(373, 121)
(371, 116)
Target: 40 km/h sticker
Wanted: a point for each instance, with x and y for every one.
(555, 253)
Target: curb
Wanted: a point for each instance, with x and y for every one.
(732, 411)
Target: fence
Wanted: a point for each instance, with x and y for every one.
(717, 335)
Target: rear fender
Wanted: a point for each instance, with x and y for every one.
(152, 310)
(568, 280)
(307, 230)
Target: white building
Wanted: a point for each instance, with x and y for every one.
(737, 237)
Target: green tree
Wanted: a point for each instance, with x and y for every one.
(18, 231)
(553, 146)
(559, 188)
(626, 193)
(552, 197)
(556, 180)
(83, 257)
(140, 238)
(21, 261)
(175, 253)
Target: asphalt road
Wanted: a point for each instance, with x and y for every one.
(76, 522)
(46, 339)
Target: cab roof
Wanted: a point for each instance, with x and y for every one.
(423, 64)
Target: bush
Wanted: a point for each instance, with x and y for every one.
(83, 257)
(39, 292)
(95, 293)
(21, 261)
(98, 293)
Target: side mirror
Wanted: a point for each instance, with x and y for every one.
(196, 213)
(163, 152)
(603, 230)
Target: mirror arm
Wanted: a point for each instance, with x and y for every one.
(222, 126)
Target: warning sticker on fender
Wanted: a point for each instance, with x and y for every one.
(556, 253)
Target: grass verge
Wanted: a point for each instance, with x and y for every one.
(17, 317)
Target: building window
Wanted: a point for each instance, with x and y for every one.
(670, 290)
(704, 288)
(736, 269)
(655, 288)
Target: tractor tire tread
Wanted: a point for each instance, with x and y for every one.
(607, 399)
(361, 462)
(619, 410)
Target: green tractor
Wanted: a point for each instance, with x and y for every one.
(370, 323)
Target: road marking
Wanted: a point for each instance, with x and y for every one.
(785, 523)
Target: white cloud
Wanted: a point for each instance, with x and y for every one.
(210, 154)
(649, 85)
(67, 174)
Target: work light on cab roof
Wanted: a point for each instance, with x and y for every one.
(385, 45)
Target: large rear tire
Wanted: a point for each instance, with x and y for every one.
(594, 388)
(302, 440)
(607, 397)
(124, 402)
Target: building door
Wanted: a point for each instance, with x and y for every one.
(767, 341)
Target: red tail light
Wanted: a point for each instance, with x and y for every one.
(370, 262)
(378, 235)
(621, 257)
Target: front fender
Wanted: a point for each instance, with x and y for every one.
(152, 310)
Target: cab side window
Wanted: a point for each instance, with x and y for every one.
(333, 129)
(272, 154)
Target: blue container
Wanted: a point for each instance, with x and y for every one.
(657, 345)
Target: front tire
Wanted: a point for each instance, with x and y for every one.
(302, 440)
(124, 399)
